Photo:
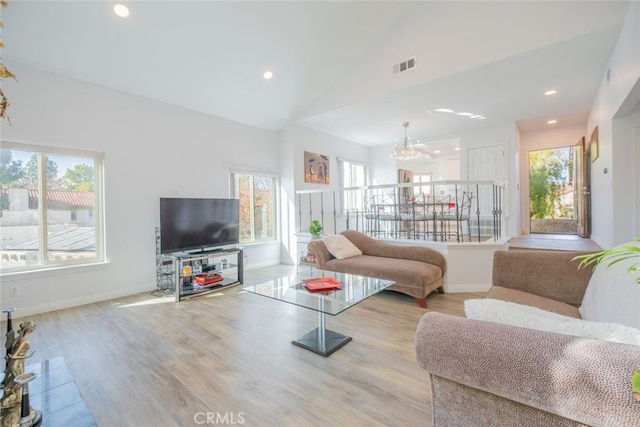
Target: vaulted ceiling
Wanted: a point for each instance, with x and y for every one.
(333, 60)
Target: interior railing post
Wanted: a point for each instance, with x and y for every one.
(499, 217)
(501, 203)
(434, 213)
(478, 209)
(394, 212)
(414, 225)
(458, 223)
(335, 214)
(495, 212)
(321, 209)
(299, 213)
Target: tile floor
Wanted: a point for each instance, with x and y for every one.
(54, 393)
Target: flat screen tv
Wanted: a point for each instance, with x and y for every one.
(198, 224)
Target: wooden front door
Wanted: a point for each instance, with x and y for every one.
(582, 189)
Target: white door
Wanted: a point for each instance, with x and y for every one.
(486, 164)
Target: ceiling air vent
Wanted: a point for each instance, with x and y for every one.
(405, 65)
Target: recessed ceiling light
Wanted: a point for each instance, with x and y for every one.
(552, 122)
(267, 74)
(121, 10)
(437, 151)
(551, 92)
(466, 114)
(444, 110)
(457, 149)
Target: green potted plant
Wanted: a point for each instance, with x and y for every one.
(315, 229)
(614, 256)
(611, 257)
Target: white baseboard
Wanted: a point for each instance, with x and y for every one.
(255, 265)
(75, 302)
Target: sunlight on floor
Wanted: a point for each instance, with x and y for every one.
(164, 299)
(157, 300)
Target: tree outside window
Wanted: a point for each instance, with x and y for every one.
(257, 194)
(551, 183)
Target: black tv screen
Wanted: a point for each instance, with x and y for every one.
(189, 224)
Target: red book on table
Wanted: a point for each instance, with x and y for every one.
(206, 279)
(322, 284)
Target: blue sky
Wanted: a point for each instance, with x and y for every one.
(63, 162)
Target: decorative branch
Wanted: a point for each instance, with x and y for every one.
(4, 74)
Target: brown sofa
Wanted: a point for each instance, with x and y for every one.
(417, 271)
(488, 374)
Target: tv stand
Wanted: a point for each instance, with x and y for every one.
(227, 262)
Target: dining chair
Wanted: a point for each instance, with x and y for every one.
(459, 215)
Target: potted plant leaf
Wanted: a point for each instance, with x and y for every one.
(315, 229)
(611, 257)
(614, 256)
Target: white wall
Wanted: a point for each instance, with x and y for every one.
(306, 139)
(288, 212)
(616, 96)
(295, 140)
(151, 150)
(440, 169)
(384, 169)
(637, 180)
(625, 158)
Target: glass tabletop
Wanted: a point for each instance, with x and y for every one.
(291, 289)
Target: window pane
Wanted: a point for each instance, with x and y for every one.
(49, 209)
(263, 207)
(423, 179)
(19, 219)
(244, 194)
(257, 195)
(360, 176)
(353, 175)
(71, 232)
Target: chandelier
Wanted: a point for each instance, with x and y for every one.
(404, 151)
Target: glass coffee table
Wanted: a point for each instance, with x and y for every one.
(290, 289)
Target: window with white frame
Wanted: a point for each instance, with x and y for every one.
(50, 207)
(422, 179)
(258, 200)
(352, 174)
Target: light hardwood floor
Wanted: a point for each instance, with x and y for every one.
(557, 242)
(149, 361)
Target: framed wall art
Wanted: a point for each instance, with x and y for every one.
(316, 168)
(593, 145)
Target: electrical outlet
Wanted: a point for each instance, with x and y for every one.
(14, 291)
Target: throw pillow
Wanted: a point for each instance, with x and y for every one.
(525, 316)
(612, 295)
(340, 247)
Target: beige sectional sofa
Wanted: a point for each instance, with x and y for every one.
(484, 373)
(417, 271)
